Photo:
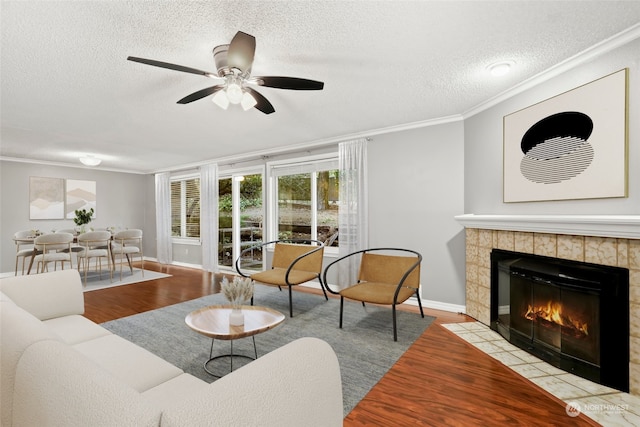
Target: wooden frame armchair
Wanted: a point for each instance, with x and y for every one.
(383, 278)
(294, 262)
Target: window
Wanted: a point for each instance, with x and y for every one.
(307, 200)
(185, 208)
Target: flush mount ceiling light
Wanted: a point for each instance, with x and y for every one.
(500, 68)
(90, 161)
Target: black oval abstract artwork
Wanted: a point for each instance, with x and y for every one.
(556, 148)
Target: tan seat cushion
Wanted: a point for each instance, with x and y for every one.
(276, 277)
(376, 293)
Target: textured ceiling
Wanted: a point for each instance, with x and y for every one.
(67, 88)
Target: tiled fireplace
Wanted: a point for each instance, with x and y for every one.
(612, 241)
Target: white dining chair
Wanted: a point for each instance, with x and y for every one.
(54, 247)
(24, 247)
(94, 244)
(127, 244)
(74, 247)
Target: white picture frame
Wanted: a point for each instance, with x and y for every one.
(549, 152)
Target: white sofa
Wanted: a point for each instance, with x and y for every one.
(60, 369)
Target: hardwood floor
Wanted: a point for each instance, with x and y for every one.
(440, 381)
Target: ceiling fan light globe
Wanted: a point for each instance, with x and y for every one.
(221, 100)
(248, 101)
(234, 93)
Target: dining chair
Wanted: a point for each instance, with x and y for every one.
(94, 244)
(54, 247)
(74, 247)
(126, 244)
(24, 247)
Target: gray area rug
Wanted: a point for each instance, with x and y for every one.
(364, 346)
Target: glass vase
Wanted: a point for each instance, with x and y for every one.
(236, 317)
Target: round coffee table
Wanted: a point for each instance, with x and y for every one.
(213, 322)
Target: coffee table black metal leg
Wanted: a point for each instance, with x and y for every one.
(255, 350)
(230, 356)
(211, 349)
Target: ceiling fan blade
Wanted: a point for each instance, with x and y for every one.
(200, 94)
(293, 83)
(262, 103)
(172, 66)
(241, 52)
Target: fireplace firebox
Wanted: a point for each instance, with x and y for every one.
(570, 314)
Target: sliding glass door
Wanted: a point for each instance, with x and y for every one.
(241, 218)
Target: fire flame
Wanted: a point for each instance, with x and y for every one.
(552, 312)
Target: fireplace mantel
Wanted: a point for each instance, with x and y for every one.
(618, 226)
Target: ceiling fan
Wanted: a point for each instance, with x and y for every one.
(233, 62)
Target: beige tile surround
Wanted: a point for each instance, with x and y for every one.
(598, 250)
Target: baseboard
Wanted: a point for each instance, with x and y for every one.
(437, 305)
(184, 264)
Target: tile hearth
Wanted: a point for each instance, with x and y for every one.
(605, 405)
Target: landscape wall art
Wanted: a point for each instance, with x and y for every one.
(80, 195)
(46, 198)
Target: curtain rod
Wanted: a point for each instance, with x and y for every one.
(266, 154)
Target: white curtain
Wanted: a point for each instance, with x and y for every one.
(209, 216)
(163, 218)
(353, 209)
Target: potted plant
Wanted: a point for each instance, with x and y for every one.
(83, 217)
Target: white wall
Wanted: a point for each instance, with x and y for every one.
(416, 187)
(483, 143)
(121, 202)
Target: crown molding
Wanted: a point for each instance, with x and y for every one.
(70, 165)
(311, 145)
(580, 58)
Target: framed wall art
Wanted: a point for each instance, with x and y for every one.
(80, 195)
(571, 146)
(46, 198)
